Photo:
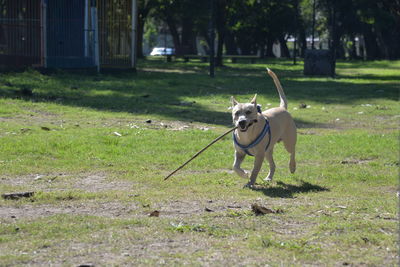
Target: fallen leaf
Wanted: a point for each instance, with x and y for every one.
(155, 213)
(17, 195)
(45, 128)
(260, 210)
(117, 134)
(208, 210)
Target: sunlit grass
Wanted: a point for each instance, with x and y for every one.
(85, 145)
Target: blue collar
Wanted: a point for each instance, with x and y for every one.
(266, 129)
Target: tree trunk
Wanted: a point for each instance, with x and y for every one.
(382, 43)
(302, 41)
(220, 44)
(230, 44)
(284, 48)
(262, 50)
(139, 40)
(188, 39)
(353, 50)
(371, 46)
(175, 35)
(220, 24)
(270, 43)
(144, 8)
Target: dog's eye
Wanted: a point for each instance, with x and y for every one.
(248, 112)
(237, 114)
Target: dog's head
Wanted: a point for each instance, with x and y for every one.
(244, 114)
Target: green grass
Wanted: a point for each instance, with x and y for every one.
(82, 143)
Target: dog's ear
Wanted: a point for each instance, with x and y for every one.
(234, 101)
(254, 100)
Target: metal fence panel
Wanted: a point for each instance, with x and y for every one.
(65, 33)
(69, 34)
(20, 33)
(115, 28)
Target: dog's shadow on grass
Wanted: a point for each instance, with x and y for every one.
(284, 190)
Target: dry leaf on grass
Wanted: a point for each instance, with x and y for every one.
(260, 210)
(155, 213)
(17, 195)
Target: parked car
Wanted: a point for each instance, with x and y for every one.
(162, 51)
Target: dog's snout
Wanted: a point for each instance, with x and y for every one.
(242, 124)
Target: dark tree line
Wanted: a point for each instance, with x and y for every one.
(252, 26)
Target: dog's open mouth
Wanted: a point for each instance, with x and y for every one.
(245, 127)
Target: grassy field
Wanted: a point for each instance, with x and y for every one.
(95, 149)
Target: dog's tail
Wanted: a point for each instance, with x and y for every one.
(278, 85)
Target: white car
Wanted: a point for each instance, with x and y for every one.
(162, 51)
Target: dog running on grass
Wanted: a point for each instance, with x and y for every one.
(258, 132)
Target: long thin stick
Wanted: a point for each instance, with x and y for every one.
(198, 153)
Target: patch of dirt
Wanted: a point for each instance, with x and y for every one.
(175, 209)
(102, 209)
(152, 251)
(180, 209)
(356, 161)
(89, 182)
(171, 125)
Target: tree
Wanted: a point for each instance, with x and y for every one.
(144, 8)
(371, 20)
(182, 18)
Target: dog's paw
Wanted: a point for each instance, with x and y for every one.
(268, 179)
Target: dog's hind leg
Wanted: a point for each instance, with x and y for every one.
(239, 157)
(290, 145)
(270, 159)
(292, 162)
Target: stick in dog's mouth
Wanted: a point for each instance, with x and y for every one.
(248, 126)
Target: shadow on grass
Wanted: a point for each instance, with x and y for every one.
(284, 190)
(162, 93)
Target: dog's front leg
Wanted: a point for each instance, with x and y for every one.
(258, 160)
(239, 157)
